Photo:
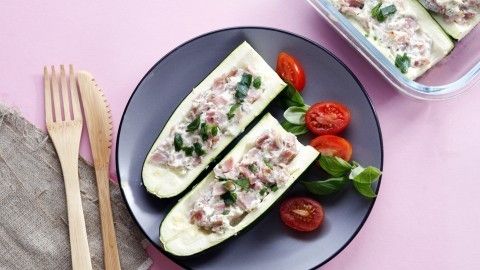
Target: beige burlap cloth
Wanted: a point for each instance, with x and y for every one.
(33, 215)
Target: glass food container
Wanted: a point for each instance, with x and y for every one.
(453, 75)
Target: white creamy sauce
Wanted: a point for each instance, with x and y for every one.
(400, 32)
(241, 185)
(212, 107)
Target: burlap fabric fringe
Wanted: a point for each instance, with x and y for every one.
(33, 215)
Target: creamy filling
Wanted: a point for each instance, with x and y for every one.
(458, 11)
(214, 113)
(240, 186)
(399, 33)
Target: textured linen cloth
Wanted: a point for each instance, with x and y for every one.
(33, 213)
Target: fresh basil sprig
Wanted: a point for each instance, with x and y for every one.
(343, 172)
(296, 115)
(294, 129)
(292, 97)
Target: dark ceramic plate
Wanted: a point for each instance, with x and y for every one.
(268, 245)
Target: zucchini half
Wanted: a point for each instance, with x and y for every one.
(455, 30)
(164, 182)
(182, 238)
(442, 44)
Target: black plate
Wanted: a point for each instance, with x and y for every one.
(269, 245)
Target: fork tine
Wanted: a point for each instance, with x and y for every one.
(48, 96)
(64, 89)
(77, 114)
(56, 97)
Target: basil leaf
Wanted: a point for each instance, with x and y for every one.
(357, 169)
(197, 147)
(326, 187)
(368, 175)
(402, 62)
(243, 183)
(294, 129)
(292, 96)
(231, 112)
(177, 142)
(194, 124)
(229, 198)
(253, 168)
(257, 82)
(241, 91)
(334, 166)
(296, 115)
(246, 79)
(364, 189)
(188, 150)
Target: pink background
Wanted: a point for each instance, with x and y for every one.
(427, 215)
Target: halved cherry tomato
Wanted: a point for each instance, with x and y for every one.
(331, 145)
(327, 118)
(290, 70)
(302, 214)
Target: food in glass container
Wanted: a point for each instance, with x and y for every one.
(402, 30)
(456, 17)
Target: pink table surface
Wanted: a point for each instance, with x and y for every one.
(427, 214)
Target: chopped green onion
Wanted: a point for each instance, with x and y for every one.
(229, 198)
(274, 187)
(197, 147)
(246, 79)
(402, 62)
(380, 13)
(257, 82)
(194, 124)
(188, 150)
(263, 191)
(241, 91)
(177, 142)
(231, 112)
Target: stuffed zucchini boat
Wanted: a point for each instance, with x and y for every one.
(208, 119)
(402, 30)
(239, 190)
(456, 17)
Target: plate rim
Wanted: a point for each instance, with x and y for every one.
(377, 122)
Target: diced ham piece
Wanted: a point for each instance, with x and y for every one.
(159, 157)
(247, 200)
(247, 173)
(218, 189)
(227, 165)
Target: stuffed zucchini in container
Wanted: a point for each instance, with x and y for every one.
(457, 17)
(402, 30)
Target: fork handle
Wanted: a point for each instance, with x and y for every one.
(76, 222)
(110, 250)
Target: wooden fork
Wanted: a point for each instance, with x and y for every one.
(65, 130)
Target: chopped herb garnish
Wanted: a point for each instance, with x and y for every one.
(188, 150)
(229, 198)
(197, 147)
(194, 124)
(204, 131)
(402, 62)
(268, 163)
(241, 92)
(231, 112)
(274, 187)
(243, 183)
(225, 212)
(177, 142)
(246, 79)
(263, 191)
(253, 168)
(222, 179)
(257, 82)
(380, 13)
(213, 130)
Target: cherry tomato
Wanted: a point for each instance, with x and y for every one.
(331, 145)
(327, 118)
(290, 70)
(301, 214)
